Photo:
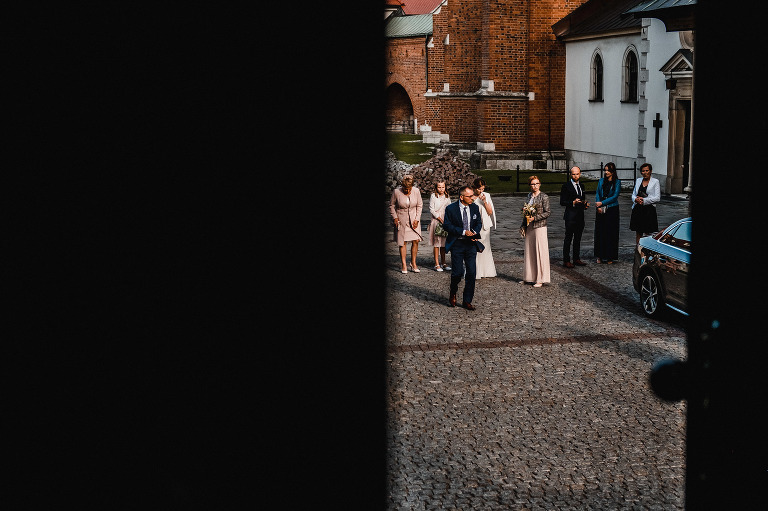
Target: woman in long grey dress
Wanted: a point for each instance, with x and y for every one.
(534, 228)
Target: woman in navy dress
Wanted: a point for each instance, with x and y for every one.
(607, 216)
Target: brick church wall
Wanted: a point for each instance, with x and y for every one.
(456, 116)
(406, 65)
(456, 63)
(546, 74)
(503, 42)
(507, 41)
(503, 122)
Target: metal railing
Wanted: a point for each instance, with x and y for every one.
(633, 168)
(532, 172)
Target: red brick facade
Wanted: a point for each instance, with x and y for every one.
(406, 63)
(508, 42)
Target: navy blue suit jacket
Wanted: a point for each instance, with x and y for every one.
(453, 223)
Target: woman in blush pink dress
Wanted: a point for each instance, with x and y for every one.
(534, 227)
(437, 203)
(405, 207)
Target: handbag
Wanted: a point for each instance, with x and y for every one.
(440, 230)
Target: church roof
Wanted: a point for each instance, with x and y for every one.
(676, 14)
(651, 6)
(597, 17)
(408, 26)
(421, 6)
(681, 62)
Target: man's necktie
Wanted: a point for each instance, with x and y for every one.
(578, 189)
(464, 215)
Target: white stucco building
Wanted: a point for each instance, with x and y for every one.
(618, 106)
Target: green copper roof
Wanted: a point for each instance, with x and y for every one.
(408, 26)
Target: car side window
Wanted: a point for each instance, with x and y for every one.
(669, 236)
(680, 237)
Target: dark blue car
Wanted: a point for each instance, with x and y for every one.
(660, 269)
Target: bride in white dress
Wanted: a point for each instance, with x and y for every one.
(485, 264)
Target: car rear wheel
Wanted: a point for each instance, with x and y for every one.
(651, 296)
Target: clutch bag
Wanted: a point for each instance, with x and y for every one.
(440, 230)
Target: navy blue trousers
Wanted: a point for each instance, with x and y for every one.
(464, 255)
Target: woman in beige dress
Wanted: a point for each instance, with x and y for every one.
(534, 228)
(405, 207)
(438, 200)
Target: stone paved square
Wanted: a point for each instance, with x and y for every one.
(539, 399)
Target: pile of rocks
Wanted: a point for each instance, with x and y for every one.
(444, 167)
(395, 170)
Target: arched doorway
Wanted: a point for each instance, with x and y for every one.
(399, 110)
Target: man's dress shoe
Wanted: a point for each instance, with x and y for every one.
(452, 300)
(468, 306)
(579, 262)
(568, 264)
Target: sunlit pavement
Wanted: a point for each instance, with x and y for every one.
(539, 398)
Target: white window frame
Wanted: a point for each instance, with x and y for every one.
(593, 77)
(626, 76)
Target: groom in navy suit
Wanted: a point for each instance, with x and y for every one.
(463, 222)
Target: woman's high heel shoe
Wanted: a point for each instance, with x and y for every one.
(415, 270)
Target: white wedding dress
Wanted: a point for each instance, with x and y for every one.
(485, 264)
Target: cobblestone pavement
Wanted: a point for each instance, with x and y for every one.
(538, 400)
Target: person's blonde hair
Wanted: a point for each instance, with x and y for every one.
(532, 178)
(407, 180)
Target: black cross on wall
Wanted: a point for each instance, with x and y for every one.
(658, 123)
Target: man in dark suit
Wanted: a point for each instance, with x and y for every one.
(573, 198)
(463, 222)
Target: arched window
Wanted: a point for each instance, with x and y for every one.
(596, 78)
(630, 76)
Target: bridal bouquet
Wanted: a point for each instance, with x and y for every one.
(529, 210)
